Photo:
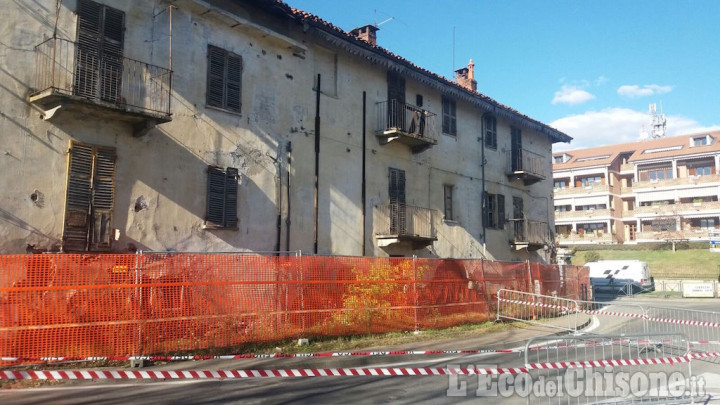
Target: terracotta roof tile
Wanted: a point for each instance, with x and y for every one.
(636, 151)
(305, 17)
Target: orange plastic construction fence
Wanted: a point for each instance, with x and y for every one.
(78, 305)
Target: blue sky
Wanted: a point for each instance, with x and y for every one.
(588, 68)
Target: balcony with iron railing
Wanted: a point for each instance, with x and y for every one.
(675, 182)
(396, 223)
(407, 124)
(584, 214)
(530, 167)
(679, 209)
(595, 188)
(662, 236)
(584, 238)
(529, 234)
(70, 77)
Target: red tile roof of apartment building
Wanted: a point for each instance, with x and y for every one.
(650, 149)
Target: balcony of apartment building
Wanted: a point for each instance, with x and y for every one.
(76, 77)
(529, 234)
(522, 164)
(395, 223)
(685, 207)
(583, 234)
(581, 213)
(587, 185)
(407, 124)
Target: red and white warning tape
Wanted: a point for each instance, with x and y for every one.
(262, 355)
(353, 354)
(603, 363)
(330, 372)
(230, 374)
(622, 314)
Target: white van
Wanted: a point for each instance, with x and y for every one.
(618, 274)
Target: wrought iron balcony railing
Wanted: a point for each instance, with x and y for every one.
(405, 221)
(530, 232)
(413, 125)
(527, 165)
(64, 68)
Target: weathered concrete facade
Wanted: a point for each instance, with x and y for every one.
(160, 175)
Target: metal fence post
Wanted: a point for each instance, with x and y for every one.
(415, 299)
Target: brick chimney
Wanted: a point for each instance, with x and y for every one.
(367, 33)
(466, 76)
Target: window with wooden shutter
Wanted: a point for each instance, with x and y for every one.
(398, 210)
(449, 120)
(222, 188)
(501, 211)
(99, 67)
(448, 192)
(490, 124)
(494, 211)
(224, 80)
(89, 198)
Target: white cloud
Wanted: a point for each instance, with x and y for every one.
(601, 80)
(571, 95)
(617, 125)
(633, 90)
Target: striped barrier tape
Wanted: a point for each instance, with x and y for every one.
(231, 374)
(350, 354)
(263, 355)
(623, 314)
(330, 372)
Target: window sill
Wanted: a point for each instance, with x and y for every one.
(209, 226)
(451, 221)
(451, 135)
(212, 107)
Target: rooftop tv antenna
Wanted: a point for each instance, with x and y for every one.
(377, 24)
(657, 122)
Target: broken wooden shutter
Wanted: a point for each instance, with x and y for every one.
(77, 198)
(501, 210)
(222, 191)
(98, 71)
(89, 199)
(102, 198)
(88, 48)
(111, 53)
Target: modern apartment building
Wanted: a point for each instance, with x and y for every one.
(215, 126)
(655, 190)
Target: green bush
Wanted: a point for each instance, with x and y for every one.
(592, 256)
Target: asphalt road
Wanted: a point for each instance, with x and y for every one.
(372, 390)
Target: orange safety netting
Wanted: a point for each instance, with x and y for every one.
(55, 305)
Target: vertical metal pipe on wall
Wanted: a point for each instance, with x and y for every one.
(288, 148)
(364, 186)
(317, 162)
